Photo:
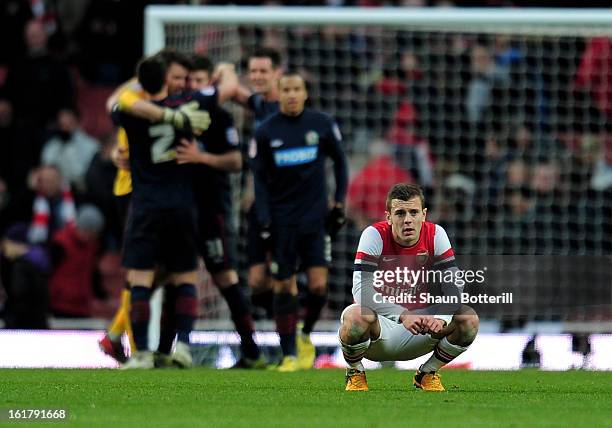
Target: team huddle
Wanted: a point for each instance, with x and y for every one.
(176, 148)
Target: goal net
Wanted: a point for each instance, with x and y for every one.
(502, 116)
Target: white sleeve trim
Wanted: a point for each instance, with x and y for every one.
(441, 241)
(370, 242)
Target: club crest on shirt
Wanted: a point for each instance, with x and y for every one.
(312, 138)
(421, 257)
(276, 143)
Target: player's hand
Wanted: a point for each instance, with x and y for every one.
(336, 218)
(188, 116)
(199, 120)
(412, 323)
(221, 69)
(120, 158)
(431, 325)
(188, 152)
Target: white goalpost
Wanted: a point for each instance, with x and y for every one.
(472, 19)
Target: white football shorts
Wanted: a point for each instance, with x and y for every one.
(396, 343)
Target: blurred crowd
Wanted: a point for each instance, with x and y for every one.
(509, 136)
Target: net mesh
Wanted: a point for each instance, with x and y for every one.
(506, 130)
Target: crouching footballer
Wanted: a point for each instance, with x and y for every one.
(379, 328)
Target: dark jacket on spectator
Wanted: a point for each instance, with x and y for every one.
(26, 288)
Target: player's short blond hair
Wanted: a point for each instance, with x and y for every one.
(405, 192)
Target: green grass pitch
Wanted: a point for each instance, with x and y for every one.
(217, 398)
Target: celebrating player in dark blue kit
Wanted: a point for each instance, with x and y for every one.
(217, 152)
(292, 205)
(264, 70)
(161, 226)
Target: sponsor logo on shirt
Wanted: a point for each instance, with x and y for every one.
(295, 156)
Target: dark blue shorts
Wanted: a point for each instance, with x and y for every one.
(123, 208)
(309, 245)
(217, 239)
(164, 238)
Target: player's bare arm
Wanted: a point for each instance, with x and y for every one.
(242, 95)
(229, 86)
(188, 152)
(225, 80)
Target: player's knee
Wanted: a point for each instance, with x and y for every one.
(358, 315)
(467, 323)
(356, 323)
(285, 286)
(257, 278)
(317, 280)
(225, 278)
(140, 277)
(190, 277)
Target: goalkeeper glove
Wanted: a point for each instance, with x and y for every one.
(188, 116)
(335, 220)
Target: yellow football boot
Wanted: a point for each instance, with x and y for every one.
(355, 380)
(289, 364)
(428, 381)
(306, 352)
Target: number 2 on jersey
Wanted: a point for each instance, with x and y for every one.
(164, 137)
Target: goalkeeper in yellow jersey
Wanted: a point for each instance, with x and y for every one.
(111, 343)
